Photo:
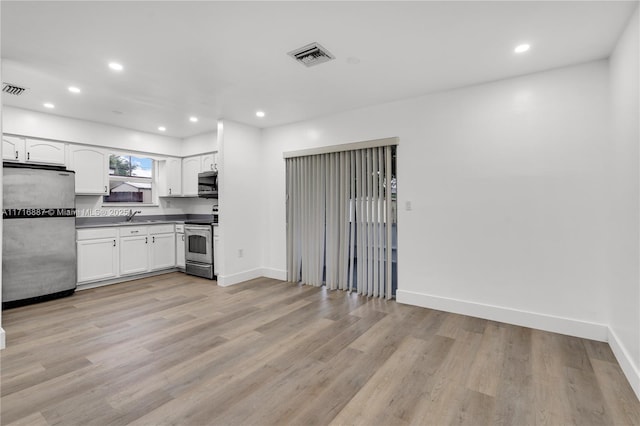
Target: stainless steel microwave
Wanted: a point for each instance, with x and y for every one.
(208, 184)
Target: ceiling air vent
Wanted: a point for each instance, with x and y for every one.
(12, 89)
(311, 54)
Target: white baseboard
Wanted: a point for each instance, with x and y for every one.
(276, 274)
(568, 326)
(227, 280)
(3, 342)
(630, 370)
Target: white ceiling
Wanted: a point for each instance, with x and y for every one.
(228, 59)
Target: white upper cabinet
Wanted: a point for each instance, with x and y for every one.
(92, 169)
(45, 152)
(13, 148)
(191, 166)
(210, 162)
(25, 150)
(170, 177)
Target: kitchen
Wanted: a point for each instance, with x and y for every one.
(533, 233)
(109, 248)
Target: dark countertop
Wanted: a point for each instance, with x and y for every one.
(107, 221)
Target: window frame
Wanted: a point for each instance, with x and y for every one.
(153, 180)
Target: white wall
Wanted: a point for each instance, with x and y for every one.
(48, 126)
(199, 144)
(623, 248)
(507, 184)
(241, 212)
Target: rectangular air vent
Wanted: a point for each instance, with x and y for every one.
(12, 89)
(311, 54)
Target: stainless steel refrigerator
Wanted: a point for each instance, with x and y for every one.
(38, 241)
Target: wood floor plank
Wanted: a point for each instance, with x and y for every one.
(177, 349)
(489, 358)
(623, 409)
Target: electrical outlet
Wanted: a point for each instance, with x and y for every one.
(240, 252)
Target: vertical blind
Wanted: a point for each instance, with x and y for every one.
(339, 220)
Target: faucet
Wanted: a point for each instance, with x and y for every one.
(132, 214)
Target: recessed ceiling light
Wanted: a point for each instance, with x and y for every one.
(260, 114)
(48, 105)
(162, 128)
(193, 119)
(522, 48)
(115, 66)
(74, 89)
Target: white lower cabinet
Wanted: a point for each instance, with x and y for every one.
(97, 254)
(180, 260)
(147, 248)
(134, 254)
(216, 238)
(110, 252)
(162, 250)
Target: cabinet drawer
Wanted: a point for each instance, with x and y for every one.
(127, 231)
(161, 229)
(96, 233)
(179, 228)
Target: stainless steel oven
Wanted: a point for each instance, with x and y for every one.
(199, 249)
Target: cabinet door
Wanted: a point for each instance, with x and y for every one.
(45, 152)
(163, 251)
(171, 177)
(216, 240)
(210, 162)
(97, 259)
(191, 166)
(12, 148)
(134, 255)
(180, 261)
(92, 168)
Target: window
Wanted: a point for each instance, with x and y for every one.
(130, 179)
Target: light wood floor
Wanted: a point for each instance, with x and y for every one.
(176, 349)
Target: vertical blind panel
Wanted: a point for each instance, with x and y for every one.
(389, 224)
(351, 174)
(338, 233)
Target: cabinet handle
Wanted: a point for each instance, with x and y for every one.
(114, 243)
(169, 191)
(105, 189)
(16, 155)
(146, 240)
(28, 155)
(182, 237)
(134, 232)
(153, 239)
